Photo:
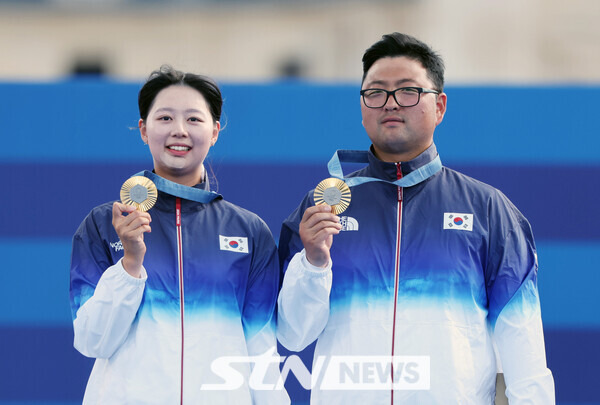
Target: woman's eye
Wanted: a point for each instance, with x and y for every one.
(195, 119)
(164, 118)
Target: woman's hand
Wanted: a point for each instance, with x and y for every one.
(131, 225)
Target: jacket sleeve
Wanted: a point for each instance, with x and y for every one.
(514, 311)
(104, 297)
(303, 303)
(258, 320)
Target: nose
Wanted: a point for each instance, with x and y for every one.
(179, 127)
(391, 103)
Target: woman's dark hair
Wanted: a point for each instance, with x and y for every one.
(167, 76)
(397, 44)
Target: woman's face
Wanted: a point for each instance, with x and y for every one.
(179, 131)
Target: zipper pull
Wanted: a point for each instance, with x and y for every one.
(398, 177)
(178, 211)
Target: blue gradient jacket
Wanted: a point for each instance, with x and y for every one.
(445, 269)
(209, 289)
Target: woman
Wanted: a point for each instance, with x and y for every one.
(157, 296)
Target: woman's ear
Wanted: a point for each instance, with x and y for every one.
(142, 127)
(215, 134)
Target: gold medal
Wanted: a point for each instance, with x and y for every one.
(140, 192)
(333, 192)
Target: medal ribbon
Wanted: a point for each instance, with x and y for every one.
(179, 190)
(360, 156)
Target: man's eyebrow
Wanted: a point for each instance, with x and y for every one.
(385, 82)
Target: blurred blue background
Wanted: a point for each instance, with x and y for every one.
(68, 145)
(523, 85)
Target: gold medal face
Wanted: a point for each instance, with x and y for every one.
(333, 192)
(140, 192)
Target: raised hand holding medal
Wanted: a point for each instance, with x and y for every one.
(138, 194)
(318, 226)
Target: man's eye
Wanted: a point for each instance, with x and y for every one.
(409, 90)
(375, 93)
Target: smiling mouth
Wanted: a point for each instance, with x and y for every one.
(178, 148)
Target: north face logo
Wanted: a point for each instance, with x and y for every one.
(349, 224)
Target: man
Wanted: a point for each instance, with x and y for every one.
(435, 264)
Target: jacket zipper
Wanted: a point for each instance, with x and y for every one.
(181, 297)
(397, 269)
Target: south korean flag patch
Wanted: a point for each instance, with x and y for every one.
(237, 244)
(458, 221)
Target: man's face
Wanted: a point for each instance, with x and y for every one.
(401, 133)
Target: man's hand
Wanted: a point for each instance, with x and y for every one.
(317, 228)
(131, 229)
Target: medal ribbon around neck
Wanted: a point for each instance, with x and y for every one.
(360, 156)
(179, 190)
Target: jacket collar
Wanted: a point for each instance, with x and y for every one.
(166, 201)
(387, 171)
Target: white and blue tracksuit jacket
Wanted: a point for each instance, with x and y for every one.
(208, 290)
(445, 269)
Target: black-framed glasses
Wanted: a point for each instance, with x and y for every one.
(404, 96)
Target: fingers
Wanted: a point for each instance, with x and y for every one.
(320, 220)
(122, 209)
(119, 209)
(319, 213)
(129, 222)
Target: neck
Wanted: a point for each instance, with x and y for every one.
(188, 179)
(394, 157)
